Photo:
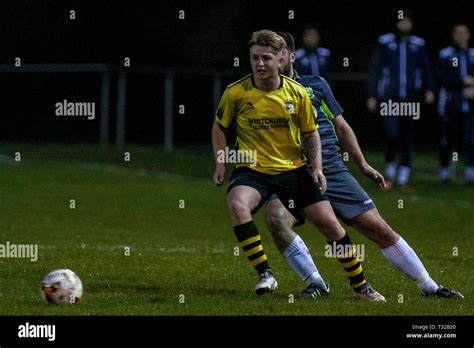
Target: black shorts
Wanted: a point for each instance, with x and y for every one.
(348, 199)
(295, 188)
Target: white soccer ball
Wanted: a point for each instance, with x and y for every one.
(61, 286)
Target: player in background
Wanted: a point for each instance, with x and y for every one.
(272, 112)
(348, 199)
(312, 59)
(399, 72)
(456, 102)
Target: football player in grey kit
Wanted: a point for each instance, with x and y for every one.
(348, 199)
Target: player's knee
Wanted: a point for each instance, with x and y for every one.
(276, 219)
(331, 228)
(238, 207)
(383, 233)
(336, 230)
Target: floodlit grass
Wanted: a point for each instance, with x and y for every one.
(182, 260)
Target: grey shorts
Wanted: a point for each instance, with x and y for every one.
(348, 199)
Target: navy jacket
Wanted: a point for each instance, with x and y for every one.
(313, 63)
(400, 69)
(453, 65)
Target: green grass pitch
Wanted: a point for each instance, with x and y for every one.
(182, 258)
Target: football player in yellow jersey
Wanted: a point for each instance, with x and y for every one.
(271, 111)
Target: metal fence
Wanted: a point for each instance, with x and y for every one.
(112, 74)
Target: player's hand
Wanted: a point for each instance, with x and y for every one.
(374, 175)
(429, 97)
(321, 179)
(372, 104)
(468, 93)
(219, 174)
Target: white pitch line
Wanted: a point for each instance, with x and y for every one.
(114, 169)
(158, 249)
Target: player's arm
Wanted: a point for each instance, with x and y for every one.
(311, 141)
(349, 142)
(219, 143)
(346, 135)
(312, 147)
(224, 116)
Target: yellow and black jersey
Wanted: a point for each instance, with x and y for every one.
(268, 122)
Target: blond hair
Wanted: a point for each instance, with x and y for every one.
(267, 38)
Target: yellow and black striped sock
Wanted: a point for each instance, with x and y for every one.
(249, 240)
(350, 262)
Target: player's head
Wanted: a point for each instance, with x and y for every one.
(461, 35)
(289, 55)
(311, 37)
(266, 53)
(405, 23)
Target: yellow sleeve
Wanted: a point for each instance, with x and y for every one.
(307, 114)
(225, 111)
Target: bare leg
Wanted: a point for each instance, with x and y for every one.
(374, 227)
(280, 221)
(395, 249)
(323, 218)
(241, 201)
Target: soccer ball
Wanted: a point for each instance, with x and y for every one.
(61, 286)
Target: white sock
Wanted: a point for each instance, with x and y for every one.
(403, 175)
(299, 258)
(390, 170)
(405, 259)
